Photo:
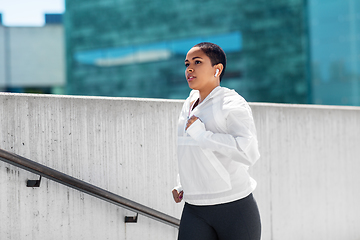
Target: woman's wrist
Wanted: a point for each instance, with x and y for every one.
(196, 129)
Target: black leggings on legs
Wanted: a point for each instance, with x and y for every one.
(238, 220)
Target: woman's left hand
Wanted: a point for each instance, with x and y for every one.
(177, 195)
(191, 121)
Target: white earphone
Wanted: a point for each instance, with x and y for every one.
(217, 72)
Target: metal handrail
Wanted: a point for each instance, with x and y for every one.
(85, 187)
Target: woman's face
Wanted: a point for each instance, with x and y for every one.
(199, 71)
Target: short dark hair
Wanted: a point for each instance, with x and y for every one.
(215, 53)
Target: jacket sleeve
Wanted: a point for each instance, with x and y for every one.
(178, 187)
(182, 114)
(240, 143)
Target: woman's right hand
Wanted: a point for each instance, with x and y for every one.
(191, 121)
(178, 196)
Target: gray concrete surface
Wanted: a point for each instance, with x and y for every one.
(308, 181)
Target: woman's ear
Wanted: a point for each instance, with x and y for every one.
(219, 68)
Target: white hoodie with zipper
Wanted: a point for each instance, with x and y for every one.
(215, 152)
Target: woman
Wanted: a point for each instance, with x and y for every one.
(216, 145)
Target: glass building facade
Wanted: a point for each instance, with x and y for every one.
(32, 59)
(137, 48)
(335, 51)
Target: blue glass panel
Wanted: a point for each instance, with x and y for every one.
(182, 46)
(117, 52)
(230, 42)
(334, 31)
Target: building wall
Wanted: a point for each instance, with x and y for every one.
(335, 50)
(307, 175)
(38, 61)
(269, 63)
(2, 57)
(32, 56)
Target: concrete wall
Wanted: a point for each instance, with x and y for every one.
(308, 175)
(308, 181)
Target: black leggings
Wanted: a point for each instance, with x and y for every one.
(238, 220)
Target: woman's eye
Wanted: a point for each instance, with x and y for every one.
(186, 64)
(197, 62)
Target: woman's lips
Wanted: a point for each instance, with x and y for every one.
(191, 78)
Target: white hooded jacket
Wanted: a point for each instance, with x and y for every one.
(215, 152)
